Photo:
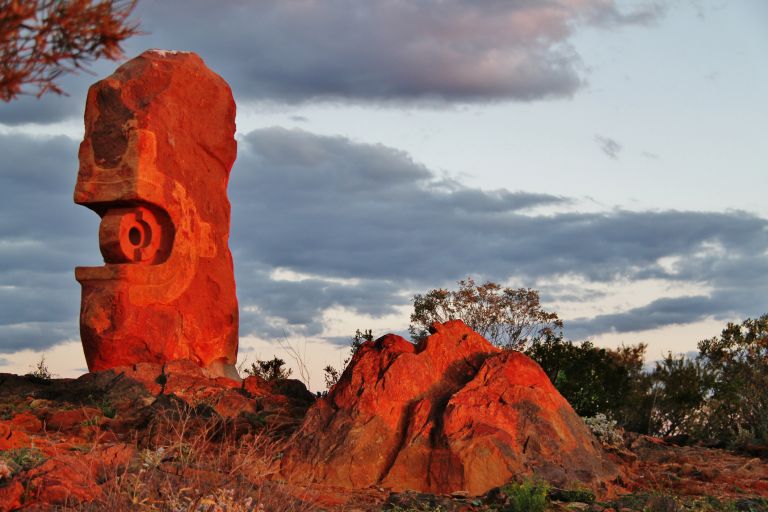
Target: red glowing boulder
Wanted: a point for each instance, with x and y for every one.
(452, 413)
(154, 165)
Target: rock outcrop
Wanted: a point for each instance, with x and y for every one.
(154, 165)
(452, 413)
(71, 438)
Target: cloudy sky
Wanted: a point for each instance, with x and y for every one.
(609, 153)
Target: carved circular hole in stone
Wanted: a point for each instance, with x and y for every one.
(146, 231)
(134, 235)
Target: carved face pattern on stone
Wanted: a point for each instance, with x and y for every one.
(154, 165)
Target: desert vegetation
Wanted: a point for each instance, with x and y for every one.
(719, 397)
(184, 447)
(188, 461)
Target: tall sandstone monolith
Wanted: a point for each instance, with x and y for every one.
(154, 165)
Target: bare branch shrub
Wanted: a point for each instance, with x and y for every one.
(40, 40)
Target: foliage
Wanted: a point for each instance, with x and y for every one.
(331, 376)
(679, 390)
(419, 507)
(578, 495)
(271, 370)
(107, 408)
(593, 380)
(720, 396)
(330, 373)
(737, 410)
(22, 459)
(666, 502)
(634, 411)
(507, 317)
(357, 341)
(528, 496)
(41, 371)
(605, 430)
(40, 40)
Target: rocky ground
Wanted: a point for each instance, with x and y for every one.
(153, 437)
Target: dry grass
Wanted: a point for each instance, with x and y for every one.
(188, 461)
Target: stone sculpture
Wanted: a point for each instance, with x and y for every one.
(154, 165)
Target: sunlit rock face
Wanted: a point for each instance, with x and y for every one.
(154, 165)
(452, 413)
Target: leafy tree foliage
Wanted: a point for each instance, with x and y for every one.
(634, 410)
(272, 370)
(737, 410)
(507, 317)
(40, 40)
(720, 396)
(593, 380)
(679, 389)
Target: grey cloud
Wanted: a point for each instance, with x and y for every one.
(369, 226)
(332, 215)
(609, 146)
(425, 51)
(422, 53)
(659, 313)
(552, 293)
(52, 108)
(345, 341)
(43, 236)
(36, 335)
(314, 205)
(723, 304)
(299, 304)
(4, 362)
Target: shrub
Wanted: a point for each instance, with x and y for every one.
(605, 430)
(737, 410)
(528, 496)
(593, 380)
(21, 459)
(680, 387)
(272, 370)
(41, 372)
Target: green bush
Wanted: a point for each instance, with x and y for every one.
(528, 496)
(679, 389)
(272, 370)
(596, 380)
(736, 410)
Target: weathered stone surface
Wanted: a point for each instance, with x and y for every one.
(10, 495)
(450, 414)
(73, 478)
(154, 165)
